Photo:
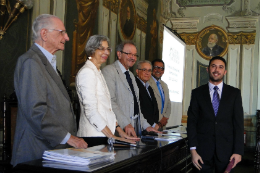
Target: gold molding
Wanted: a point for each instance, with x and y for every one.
(141, 23)
(111, 5)
(189, 38)
(241, 38)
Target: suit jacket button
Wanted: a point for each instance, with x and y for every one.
(216, 123)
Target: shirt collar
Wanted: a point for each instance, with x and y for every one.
(145, 84)
(122, 67)
(51, 58)
(220, 86)
(155, 80)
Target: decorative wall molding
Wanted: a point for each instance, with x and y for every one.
(141, 9)
(233, 38)
(166, 9)
(213, 17)
(141, 23)
(185, 24)
(242, 23)
(112, 5)
(241, 38)
(189, 38)
(246, 8)
(201, 3)
(247, 77)
(141, 15)
(233, 78)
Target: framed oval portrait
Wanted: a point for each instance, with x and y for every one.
(212, 41)
(127, 18)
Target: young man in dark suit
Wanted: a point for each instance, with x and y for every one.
(148, 103)
(215, 122)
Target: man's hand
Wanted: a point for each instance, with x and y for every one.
(130, 131)
(237, 158)
(164, 121)
(196, 158)
(150, 128)
(156, 127)
(77, 142)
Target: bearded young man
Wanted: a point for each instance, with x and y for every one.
(212, 48)
(215, 122)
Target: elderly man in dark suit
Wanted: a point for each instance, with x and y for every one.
(148, 103)
(215, 122)
(45, 118)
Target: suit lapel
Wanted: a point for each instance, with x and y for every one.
(153, 85)
(51, 71)
(122, 76)
(206, 95)
(224, 97)
(142, 88)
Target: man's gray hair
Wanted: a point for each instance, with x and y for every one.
(42, 21)
(139, 63)
(94, 42)
(120, 47)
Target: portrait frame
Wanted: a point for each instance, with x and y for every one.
(127, 28)
(202, 40)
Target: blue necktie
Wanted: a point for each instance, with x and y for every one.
(215, 100)
(159, 88)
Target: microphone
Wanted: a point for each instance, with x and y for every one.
(112, 141)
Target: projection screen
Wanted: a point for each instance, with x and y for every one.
(173, 55)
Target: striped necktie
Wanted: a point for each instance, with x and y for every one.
(215, 100)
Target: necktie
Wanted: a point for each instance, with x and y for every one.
(136, 108)
(215, 100)
(162, 98)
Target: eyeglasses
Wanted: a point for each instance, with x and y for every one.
(130, 54)
(103, 49)
(146, 70)
(157, 68)
(63, 32)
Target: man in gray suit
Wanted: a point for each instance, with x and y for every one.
(45, 118)
(124, 91)
(161, 92)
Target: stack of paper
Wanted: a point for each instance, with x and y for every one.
(78, 156)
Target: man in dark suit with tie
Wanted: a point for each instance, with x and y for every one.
(45, 119)
(148, 103)
(215, 122)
